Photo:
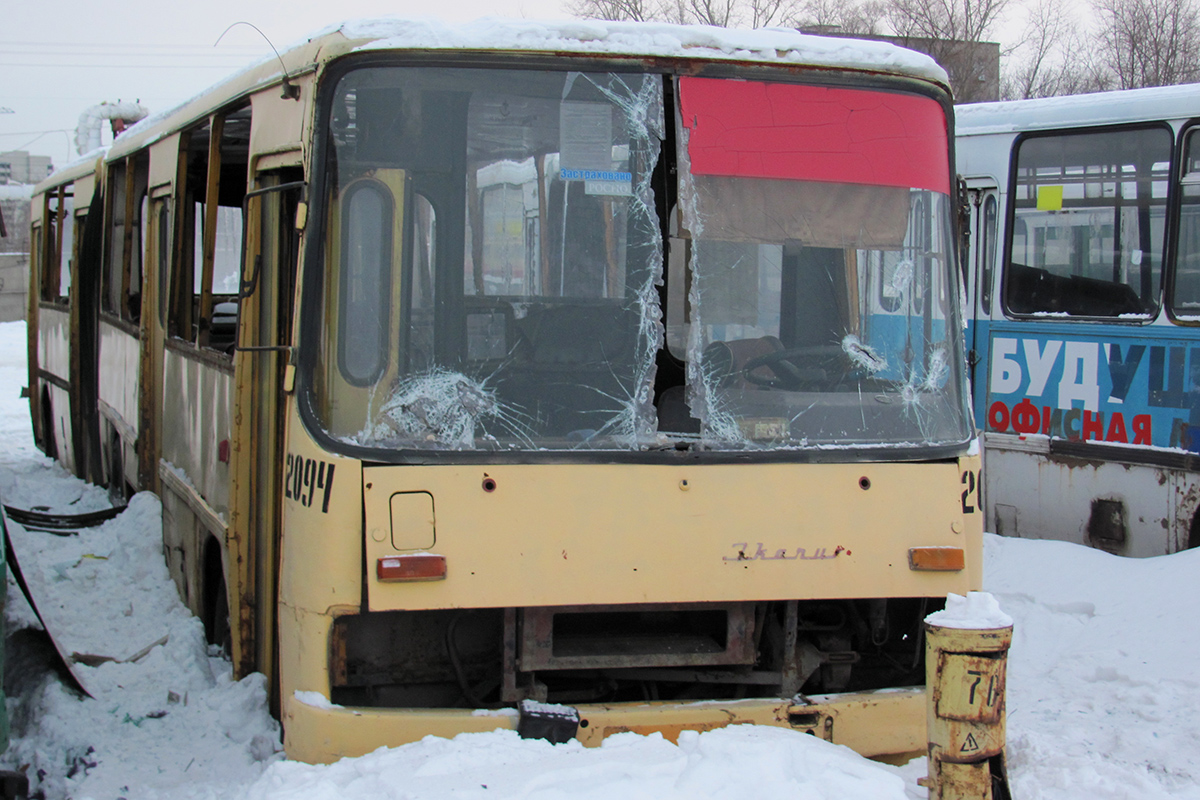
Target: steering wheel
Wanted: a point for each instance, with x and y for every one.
(792, 368)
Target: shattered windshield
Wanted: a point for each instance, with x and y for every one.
(494, 259)
(823, 297)
(516, 260)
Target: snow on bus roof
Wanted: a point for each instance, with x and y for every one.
(1101, 108)
(660, 39)
(780, 46)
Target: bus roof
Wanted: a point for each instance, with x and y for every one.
(779, 46)
(1081, 110)
(655, 39)
(83, 165)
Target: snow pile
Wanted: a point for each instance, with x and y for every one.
(1101, 704)
(976, 611)
(164, 708)
(1102, 687)
(15, 191)
(1152, 103)
(159, 721)
(735, 762)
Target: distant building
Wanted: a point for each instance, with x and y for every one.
(14, 251)
(18, 166)
(973, 67)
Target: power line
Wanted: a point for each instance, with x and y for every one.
(63, 131)
(145, 54)
(38, 54)
(35, 133)
(129, 47)
(108, 65)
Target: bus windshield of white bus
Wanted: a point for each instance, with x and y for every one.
(557, 260)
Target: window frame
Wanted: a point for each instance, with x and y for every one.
(1010, 219)
(383, 272)
(1188, 130)
(310, 314)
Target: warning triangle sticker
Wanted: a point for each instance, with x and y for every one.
(970, 745)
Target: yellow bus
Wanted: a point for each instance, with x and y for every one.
(600, 373)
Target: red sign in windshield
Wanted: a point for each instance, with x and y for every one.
(812, 133)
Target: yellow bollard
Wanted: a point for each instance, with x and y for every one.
(966, 652)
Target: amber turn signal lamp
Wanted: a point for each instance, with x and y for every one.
(936, 559)
(415, 567)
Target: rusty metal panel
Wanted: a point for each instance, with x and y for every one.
(978, 683)
(53, 349)
(119, 374)
(1035, 496)
(965, 780)
(965, 714)
(197, 417)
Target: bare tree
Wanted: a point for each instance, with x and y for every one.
(843, 16)
(636, 10)
(766, 13)
(951, 31)
(1052, 56)
(955, 33)
(949, 20)
(722, 13)
(1150, 42)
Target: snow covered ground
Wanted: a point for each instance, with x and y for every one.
(1104, 698)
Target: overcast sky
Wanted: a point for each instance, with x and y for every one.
(60, 57)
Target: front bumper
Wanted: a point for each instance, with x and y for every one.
(886, 724)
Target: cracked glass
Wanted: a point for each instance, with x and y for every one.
(529, 260)
(493, 259)
(822, 306)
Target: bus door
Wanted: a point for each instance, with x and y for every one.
(264, 333)
(158, 227)
(85, 342)
(984, 202)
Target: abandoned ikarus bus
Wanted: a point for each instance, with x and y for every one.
(1085, 301)
(609, 366)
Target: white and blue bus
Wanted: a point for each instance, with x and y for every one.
(1083, 276)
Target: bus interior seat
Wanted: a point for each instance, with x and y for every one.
(1031, 290)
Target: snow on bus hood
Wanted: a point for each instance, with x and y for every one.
(775, 45)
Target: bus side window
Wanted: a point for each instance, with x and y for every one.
(365, 291)
(54, 250)
(1089, 223)
(162, 239)
(1186, 302)
(208, 233)
(987, 251)
(35, 260)
(66, 253)
(419, 330)
(121, 280)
